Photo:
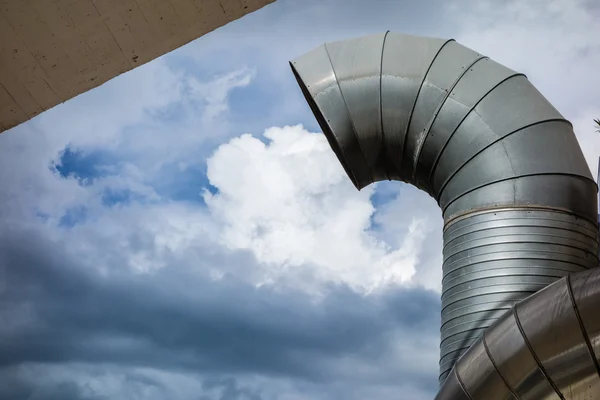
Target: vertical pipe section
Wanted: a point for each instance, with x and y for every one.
(495, 258)
(518, 199)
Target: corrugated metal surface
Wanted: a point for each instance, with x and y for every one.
(518, 198)
(495, 258)
(53, 50)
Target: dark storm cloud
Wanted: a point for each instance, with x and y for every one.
(15, 388)
(230, 390)
(56, 310)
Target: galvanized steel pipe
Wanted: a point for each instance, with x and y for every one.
(546, 347)
(517, 196)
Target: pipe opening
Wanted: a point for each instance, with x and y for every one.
(324, 125)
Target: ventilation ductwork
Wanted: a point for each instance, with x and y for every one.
(517, 197)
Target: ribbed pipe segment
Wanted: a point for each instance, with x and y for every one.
(517, 196)
(495, 258)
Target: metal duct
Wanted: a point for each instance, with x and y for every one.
(517, 196)
(546, 347)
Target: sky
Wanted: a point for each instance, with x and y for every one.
(185, 232)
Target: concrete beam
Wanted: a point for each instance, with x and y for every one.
(53, 50)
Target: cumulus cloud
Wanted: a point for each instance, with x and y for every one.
(290, 203)
(62, 311)
(396, 220)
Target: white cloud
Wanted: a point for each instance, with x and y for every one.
(98, 117)
(396, 219)
(290, 203)
(141, 237)
(214, 94)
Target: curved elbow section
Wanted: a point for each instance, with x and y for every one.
(546, 347)
(518, 199)
(433, 113)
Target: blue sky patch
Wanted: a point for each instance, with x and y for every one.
(385, 192)
(113, 197)
(73, 216)
(183, 184)
(86, 167)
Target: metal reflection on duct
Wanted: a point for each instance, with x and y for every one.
(517, 196)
